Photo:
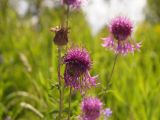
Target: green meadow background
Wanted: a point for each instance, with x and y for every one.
(28, 67)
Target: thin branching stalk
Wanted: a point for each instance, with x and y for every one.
(60, 83)
(110, 77)
(69, 103)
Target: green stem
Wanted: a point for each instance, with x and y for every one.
(109, 80)
(60, 83)
(69, 103)
(67, 15)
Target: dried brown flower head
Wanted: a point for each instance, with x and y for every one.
(61, 35)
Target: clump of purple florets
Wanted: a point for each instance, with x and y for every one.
(73, 3)
(120, 40)
(92, 109)
(78, 64)
(121, 28)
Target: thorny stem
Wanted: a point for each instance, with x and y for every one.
(69, 103)
(67, 15)
(70, 91)
(109, 80)
(63, 17)
(60, 83)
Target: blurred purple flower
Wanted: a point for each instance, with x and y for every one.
(91, 108)
(107, 113)
(120, 39)
(78, 64)
(73, 3)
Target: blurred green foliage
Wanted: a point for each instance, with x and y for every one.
(153, 12)
(28, 69)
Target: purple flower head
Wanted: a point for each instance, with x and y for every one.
(107, 113)
(121, 28)
(120, 37)
(78, 64)
(91, 108)
(73, 3)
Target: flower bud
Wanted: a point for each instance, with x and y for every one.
(61, 35)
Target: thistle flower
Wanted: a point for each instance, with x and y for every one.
(78, 64)
(91, 108)
(73, 3)
(61, 35)
(120, 37)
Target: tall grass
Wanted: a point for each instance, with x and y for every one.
(28, 70)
